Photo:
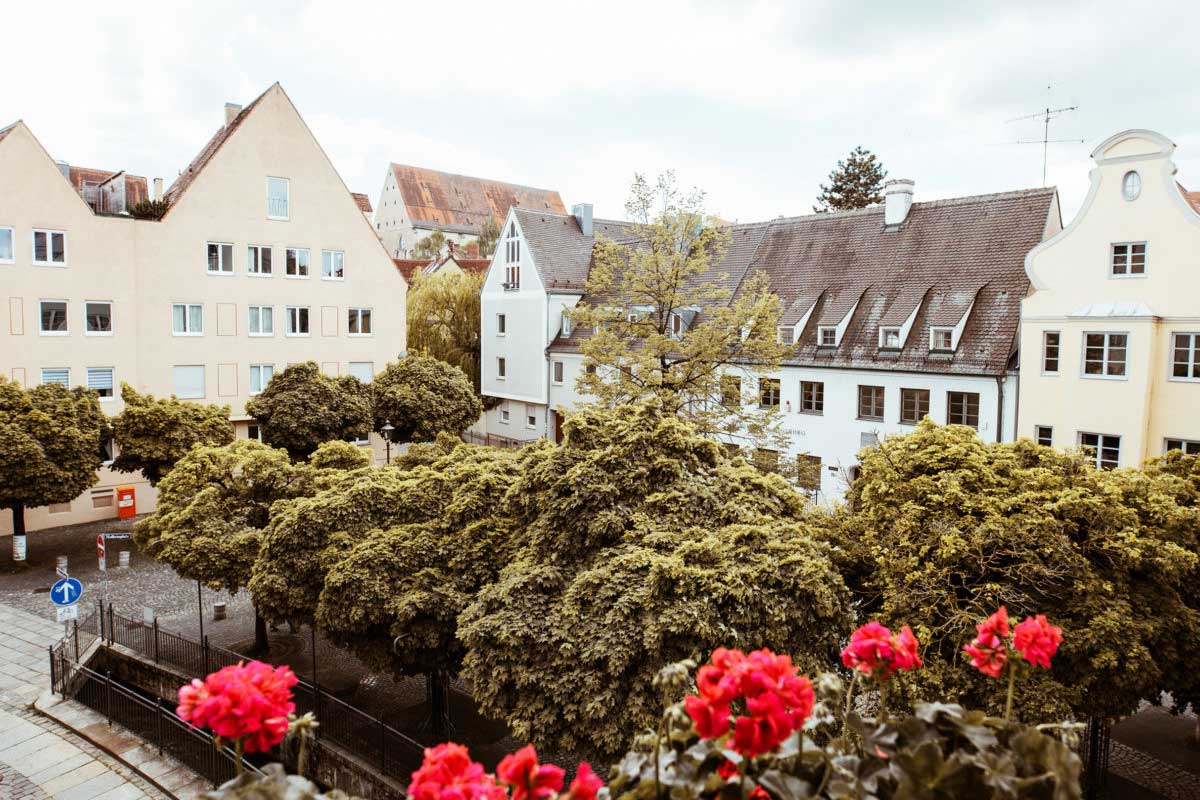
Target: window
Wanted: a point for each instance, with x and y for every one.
(914, 405)
(1104, 354)
(1050, 347)
(6, 246)
(962, 408)
(59, 375)
(277, 198)
(332, 262)
(590, 369)
(765, 459)
(501, 324)
(189, 382)
(566, 324)
(731, 391)
(97, 317)
(558, 372)
(504, 414)
(363, 370)
(108, 449)
(260, 376)
(1131, 185)
(220, 258)
(1185, 355)
(358, 321)
(768, 392)
(808, 472)
(60, 508)
(1129, 259)
(501, 369)
(261, 321)
(258, 260)
(531, 419)
(49, 248)
(1188, 446)
(812, 397)
(889, 338)
(296, 262)
(677, 326)
(512, 276)
(870, 402)
(827, 336)
(785, 335)
(1044, 435)
(100, 381)
(297, 320)
(941, 338)
(1105, 449)
(54, 317)
(103, 498)
(254, 431)
(187, 319)
(512, 258)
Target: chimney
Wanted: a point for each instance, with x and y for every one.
(158, 189)
(897, 200)
(583, 215)
(64, 168)
(231, 111)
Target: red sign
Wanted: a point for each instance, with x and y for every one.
(101, 561)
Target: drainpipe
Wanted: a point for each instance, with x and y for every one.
(999, 408)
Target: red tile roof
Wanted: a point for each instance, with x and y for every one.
(1192, 198)
(410, 266)
(441, 198)
(364, 202)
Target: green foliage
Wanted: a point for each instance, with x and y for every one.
(423, 396)
(856, 183)
(149, 209)
(489, 234)
(444, 319)
(338, 455)
(152, 434)
(431, 246)
(301, 408)
(942, 528)
(49, 445)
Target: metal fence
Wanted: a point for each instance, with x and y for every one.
(495, 440)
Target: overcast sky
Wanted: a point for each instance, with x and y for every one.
(752, 101)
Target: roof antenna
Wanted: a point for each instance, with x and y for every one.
(1045, 116)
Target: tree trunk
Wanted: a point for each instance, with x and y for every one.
(437, 693)
(262, 645)
(18, 524)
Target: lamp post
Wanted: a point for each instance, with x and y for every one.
(386, 430)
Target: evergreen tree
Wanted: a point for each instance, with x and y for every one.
(856, 183)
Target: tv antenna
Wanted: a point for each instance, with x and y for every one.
(1045, 116)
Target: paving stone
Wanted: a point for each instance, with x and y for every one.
(93, 787)
(62, 767)
(79, 775)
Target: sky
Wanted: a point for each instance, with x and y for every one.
(753, 102)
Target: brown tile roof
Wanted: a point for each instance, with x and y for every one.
(1192, 198)
(136, 188)
(364, 202)
(472, 265)
(462, 203)
(410, 266)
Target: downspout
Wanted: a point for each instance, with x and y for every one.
(999, 409)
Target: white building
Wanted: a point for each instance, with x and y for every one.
(896, 312)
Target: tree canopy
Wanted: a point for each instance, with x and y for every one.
(430, 246)
(153, 433)
(423, 396)
(489, 234)
(444, 319)
(302, 408)
(856, 183)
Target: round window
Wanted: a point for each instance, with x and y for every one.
(1131, 186)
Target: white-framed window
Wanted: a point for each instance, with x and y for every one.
(531, 417)
(260, 321)
(188, 381)
(768, 392)
(889, 338)
(812, 397)
(59, 375)
(512, 276)
(258, 259)
(512, 258)
(1131, 185)
(1044, 435)
(97, 318)
(962, 408)
(1190, 447)
(254, 431)
(941, 338)
(677, 327)
(108, 449)
(1185, 356)
(1104, 354)
(501, 324)
(278, 198)
(501, 369)
(260, 376)
(100, 381)
(827, 336)
(7, 253)
(296, 262)
(363, 370)
(220, 258)
(53, 314)
(558, 372)
(1104, 448)
(49, 248)
(187, 319)
(358, 321)
(566, 326)
(504, 414)
(297, 320)
(1128, 259)
(1051, 346)
(332, 265)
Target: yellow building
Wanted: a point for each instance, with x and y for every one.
(263, 259)
(1110, 332)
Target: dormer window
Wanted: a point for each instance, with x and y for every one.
(566, 325)
(889, 338)
(512, 258)
(676, 326)
(827, 336)
(941, 338)
(785, 334)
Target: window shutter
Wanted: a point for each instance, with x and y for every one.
(56, 375)
(100, 378)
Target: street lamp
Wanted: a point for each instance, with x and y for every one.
(386, 430)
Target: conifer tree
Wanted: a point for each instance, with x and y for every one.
(856, 183)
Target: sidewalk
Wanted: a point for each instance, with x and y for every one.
(38, 758)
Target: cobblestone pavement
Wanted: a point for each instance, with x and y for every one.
(1158, 776)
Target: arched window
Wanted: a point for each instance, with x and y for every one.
(1131, 185)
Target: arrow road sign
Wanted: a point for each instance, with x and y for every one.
(66, 592)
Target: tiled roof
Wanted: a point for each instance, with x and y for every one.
(410, 266)
(461, 203)
(560, 251)
(136, 188)
(364, 203)
(472, 265)
(1193, 198)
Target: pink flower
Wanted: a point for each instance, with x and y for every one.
(875, 651)
(448, 773)
(711, 719)
(530, 780)
(988, 650)
(247, 702)
(586, 784)
(1037, 640)
(996, 624)
(906, 654)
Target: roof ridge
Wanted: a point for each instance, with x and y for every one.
(937, 202)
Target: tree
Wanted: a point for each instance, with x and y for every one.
(301, 408)
(152, 434)
(49, 448)
(444, 319)
(666, 326)
(489, 234)
(149, 209)
(422, 397)
(856, 183)
(430, 246)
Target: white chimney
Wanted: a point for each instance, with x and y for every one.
(158, 189)
(897, 200)
(231, 111)
(583, 214)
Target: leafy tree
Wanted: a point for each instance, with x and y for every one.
(422, 397)
(489, 234)
(152, 433)
(49, 447)
(444, 319)
(301, 408)
(856, 183)
(430, 246)
(149, 209)
(942, 528)
(666, 325)
(344, 456)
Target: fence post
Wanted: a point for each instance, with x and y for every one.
(52, 683)
(111, 639)
(76, 640)
(100, 618)
(205, 648)
(158, 715)
(108, 694)
(156, 639)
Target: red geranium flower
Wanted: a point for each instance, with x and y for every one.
(586, 784)
(448, 773)
(875, 651)
(246, 702)
(529, 779)
(988, 654)
(906, 650)
(1037, 640)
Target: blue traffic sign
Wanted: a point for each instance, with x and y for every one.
(66, 592)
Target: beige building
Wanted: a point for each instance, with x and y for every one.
(263, 259)
(1110, 332)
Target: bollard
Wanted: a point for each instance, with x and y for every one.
(123, 559)
(218, 612)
